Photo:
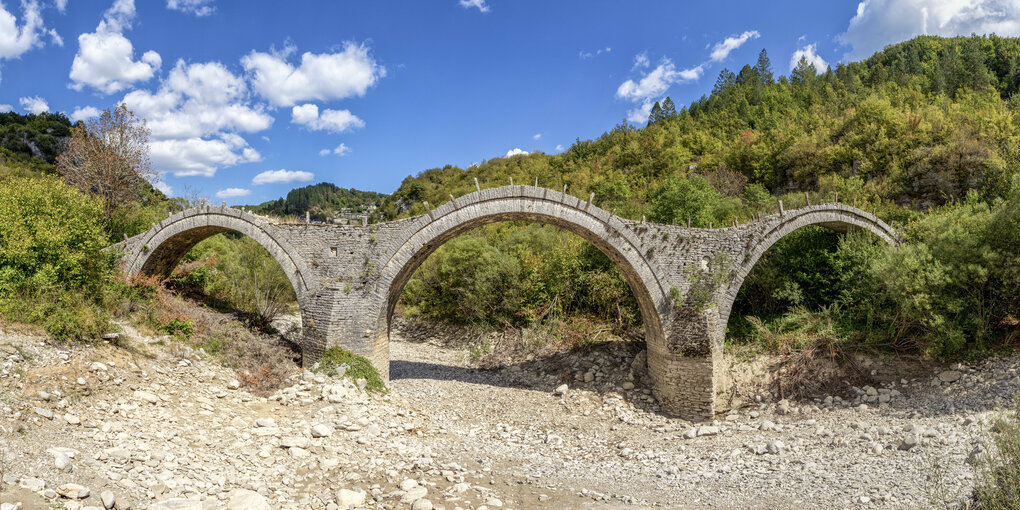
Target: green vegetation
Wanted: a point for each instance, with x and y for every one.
(357, 368)
(52, 272)
(998, 469)
(238, 274)
(324, 201)
(926, 133)
(29, 144)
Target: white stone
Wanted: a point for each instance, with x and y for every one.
(244, 499)
(345, 498)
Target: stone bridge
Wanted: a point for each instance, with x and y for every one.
(348, 278)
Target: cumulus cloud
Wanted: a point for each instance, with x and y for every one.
(808, 53)
(195, 117)
(34, 104)
(322, 77)
(339, 150)
(83, 113)
(336, 121)
(5, 108)
(196, 7)
(163, 187)
(61, 5)
(641, 61)
(657, 81)
(232, 193)
(517, 151)
(16, 40)
(105, 59)
(480, 4)
(878, 23)
(275, 176)
(722, 49)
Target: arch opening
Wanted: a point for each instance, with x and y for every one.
(426, 241)
(801, 278)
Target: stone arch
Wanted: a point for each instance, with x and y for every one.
(605, 231)
(158, 250)
(834, 216)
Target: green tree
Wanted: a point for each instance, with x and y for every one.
(655, 115)
(764, 68)
(681, 198)
(668, 108)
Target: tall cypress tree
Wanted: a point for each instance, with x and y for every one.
(764, 68)
(655, 115)
(668, 108)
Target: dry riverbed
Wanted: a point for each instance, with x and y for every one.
(162, 426)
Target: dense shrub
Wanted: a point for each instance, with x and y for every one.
(357, 368)
(52, 271)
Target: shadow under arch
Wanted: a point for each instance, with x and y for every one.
(528, 204)
(835, 216)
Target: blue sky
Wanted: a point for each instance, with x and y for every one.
(247, 100)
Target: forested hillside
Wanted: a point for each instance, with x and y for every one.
(31, 142)
(324, 201)
(926, 132)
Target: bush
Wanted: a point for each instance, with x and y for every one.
(52, 270)
(357, 368)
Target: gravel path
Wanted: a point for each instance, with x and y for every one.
(160, 426)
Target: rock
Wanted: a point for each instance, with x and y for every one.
(73, 491)
(299, 453)
(783, 407)
(949, 376)
(295, 442)
(233, 384)
(98, 367)
(414, 494)
(72, 419)
(708, 430)
(32, 484)
(119, 454)
(408, 484)
(244, 499)
(45, 413)
(561, 389)
(691, 433)
(976, 455)
(775, 446)
(628, 386)
(346, 498)
(108, 499)
(10, 506)
(422, 504)
(589, 377)
(322, 430)
(909, 442)
(493, 501)
(62, 462)
(265, 422)
(178, 504)
(146, 396)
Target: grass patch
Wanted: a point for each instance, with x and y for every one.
(997, 484)
(357, 368)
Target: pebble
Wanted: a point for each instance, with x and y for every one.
(322, 430)
(244, 499)
(561, 389)
(345, 498)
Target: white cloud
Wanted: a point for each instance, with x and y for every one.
(322, 77)
(232, 193)
(34, 104)
(722, 50)
(517, 151)
(559, 147)
(195, 117)
(336, 121)
(61, 5)
(55, 37)
(85, 112)
(657, 81)
(593, 54)
(536, 136)
(16, 40)
(275, 176)
(882, 22)
(187, 157)
(808, 52)
(480, 4)
(105, 58)
(339, 150)
(640, 61)
(196, 7)
(164, 187)
(5, 108)
(640, 113)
